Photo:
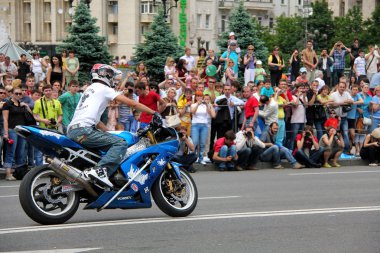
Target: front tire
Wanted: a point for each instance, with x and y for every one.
(176, 203)
(38, 202)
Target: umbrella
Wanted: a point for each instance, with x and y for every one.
(13, 50)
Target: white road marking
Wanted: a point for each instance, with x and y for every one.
(9, 186)
(223, 197)
(8, 196)
(334, 172)
(54, 251)
(191, 218)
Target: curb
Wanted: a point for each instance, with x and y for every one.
(260, 165)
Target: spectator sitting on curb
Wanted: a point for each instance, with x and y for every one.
(304, 153)
(249, 147)
(185, 155)
(333, 145)
(225, 152)
(274, 152)
(371, 148)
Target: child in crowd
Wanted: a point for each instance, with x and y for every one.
(113, 116)
(267, 89)
(259, 72)
(135, 125)
(332, 121)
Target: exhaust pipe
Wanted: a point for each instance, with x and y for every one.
(70, 174)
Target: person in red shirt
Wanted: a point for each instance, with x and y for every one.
(251, 108)
(332, 121)
(149, 99)
(304, 153)
(225, 153)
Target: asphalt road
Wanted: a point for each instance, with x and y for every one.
(321, 210)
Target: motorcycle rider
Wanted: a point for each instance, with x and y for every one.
(87, 129)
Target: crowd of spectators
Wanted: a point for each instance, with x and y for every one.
(309, 116)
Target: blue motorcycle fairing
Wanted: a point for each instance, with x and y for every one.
(176, 169)
(130, 138)
(142, 184)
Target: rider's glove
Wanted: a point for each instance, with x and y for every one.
(157, 119)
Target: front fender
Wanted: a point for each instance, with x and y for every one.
(176, 168)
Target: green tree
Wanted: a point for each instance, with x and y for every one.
(83, 38)
(289, 33)
(350, 26)
(160, 43)
(245, 29)
(321, 22)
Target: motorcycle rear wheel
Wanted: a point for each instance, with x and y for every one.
(179, 204)
(38, 202)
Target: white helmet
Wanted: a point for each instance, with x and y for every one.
(104, 73)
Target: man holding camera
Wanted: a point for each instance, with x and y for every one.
(339, 52)
(48, 111)
(185, 155)
(249, 147)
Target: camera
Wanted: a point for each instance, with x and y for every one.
(130, 91)
(53, 122)
(180, 135)
(308, 135)
(248, 134)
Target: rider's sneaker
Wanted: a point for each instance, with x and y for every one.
(100, 175)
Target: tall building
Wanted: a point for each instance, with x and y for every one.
(124, 22)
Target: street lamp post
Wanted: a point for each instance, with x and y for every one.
(307, 11)
(166, 4)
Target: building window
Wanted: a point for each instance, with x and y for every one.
(282, 1)
(199, 20)
(223, 24)
(270, 22)
(113, 6)
(114, 29)
(147, 7)
(299, 2)
(260, 20)
(207, 23)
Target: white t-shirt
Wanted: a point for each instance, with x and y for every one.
(372, 64)
(190, 60)
(92, 104)
(360, 65)
(337, 98)
(36, 66)
(201, 115)
(299, 111)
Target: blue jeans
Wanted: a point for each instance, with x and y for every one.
(199, 133)
(115, 146)
(224, 152)
(16, 151)
(35, 157)
(271, 154)
(281, 132)
(337, 73)
(312, 160)
(375, 123)
(344, 128)
(287, 154)
(295, 128)
(319, 127)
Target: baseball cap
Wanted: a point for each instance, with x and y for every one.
(259, 62)
(303, 69)
(231, 34)
(233, 43)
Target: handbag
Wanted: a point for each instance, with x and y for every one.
(367, 121)
(29, 118)
(360, 127)
(172, 120)
(346, 108)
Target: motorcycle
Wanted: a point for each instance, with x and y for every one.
(51, 194)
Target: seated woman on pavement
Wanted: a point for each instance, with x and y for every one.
(275, 151)
(332, 142)
(307, 151)
(371, 148)
(249, 147)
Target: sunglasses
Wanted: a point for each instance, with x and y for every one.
(2, 93)
(210, 82)
(250, 48)
(18, 93)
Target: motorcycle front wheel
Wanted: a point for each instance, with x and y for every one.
(176, 198)
(41, 202)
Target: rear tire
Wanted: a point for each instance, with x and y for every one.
(39, 204)
(180, 204)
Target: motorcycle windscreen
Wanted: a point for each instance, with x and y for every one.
(130, 138)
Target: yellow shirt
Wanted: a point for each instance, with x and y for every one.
(182, 101)
(51, 109)
(281, 101)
